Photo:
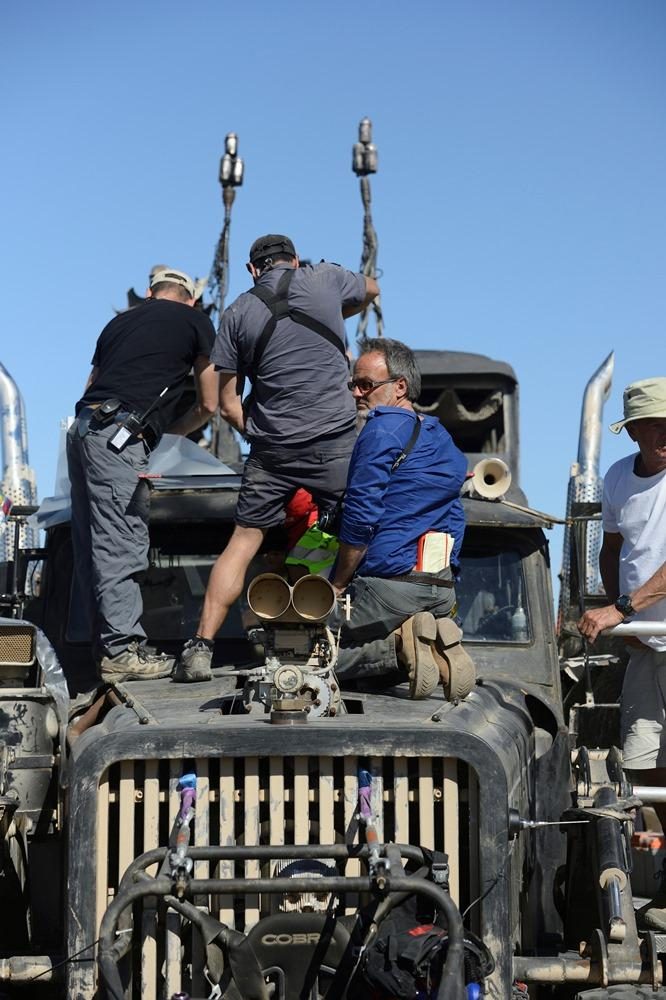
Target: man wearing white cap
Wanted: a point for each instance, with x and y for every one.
(140, 366)
(633, 569)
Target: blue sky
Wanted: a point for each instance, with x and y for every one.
(519, 204)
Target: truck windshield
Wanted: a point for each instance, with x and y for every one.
(491, 598)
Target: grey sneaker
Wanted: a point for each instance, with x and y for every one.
(135, 663)
(194, 663)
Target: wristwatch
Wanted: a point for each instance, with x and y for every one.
(624, 606)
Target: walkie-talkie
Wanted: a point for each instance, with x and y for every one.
(133, 424)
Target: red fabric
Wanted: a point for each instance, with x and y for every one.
(300, 514)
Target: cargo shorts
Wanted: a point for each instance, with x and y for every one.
(272, 476)
(643, 710)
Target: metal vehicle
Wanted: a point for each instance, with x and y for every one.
(251, 837)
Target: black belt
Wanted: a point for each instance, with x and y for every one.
(436, 581)
(86, 414)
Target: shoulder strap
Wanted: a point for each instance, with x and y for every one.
(279, 307)
(313, 324)
(416, 430)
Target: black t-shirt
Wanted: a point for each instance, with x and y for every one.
(145, 349)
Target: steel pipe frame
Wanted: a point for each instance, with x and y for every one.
(451, 983)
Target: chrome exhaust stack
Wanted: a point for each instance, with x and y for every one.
(18, 479)
(586, 487)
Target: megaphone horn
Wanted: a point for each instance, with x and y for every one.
(491, 478)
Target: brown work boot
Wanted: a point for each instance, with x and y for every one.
(456, 667)
(414, 648)
(135, 663)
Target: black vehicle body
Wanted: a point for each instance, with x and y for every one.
(469, 781)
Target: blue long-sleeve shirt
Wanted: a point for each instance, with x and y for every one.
(389, 511)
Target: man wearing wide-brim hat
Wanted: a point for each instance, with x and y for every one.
(633, 569)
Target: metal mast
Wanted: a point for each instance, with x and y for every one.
(364, 163)
(231, 177)
(223, 443)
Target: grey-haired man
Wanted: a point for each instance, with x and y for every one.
(141, 361)
(633, 569)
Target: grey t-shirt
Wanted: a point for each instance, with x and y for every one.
(301, 391)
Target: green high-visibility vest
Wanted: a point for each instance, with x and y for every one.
(315, 549)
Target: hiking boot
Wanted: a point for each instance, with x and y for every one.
(194, 663)
(135, 663)
(414, 648)
(456, 666)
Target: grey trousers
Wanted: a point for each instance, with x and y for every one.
(110, 507)
(379, 607)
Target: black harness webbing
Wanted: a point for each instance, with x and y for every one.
(277, 303)
(408, 447)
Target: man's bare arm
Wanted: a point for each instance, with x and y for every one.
(653, 590)
(231, 401)
(348, 561)
(206, 383)
(371, 292)
(609, 564)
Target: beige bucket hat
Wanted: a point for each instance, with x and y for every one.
(643, 399)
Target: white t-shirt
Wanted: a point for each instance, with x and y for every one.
(635, 506)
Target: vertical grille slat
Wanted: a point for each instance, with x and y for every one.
(202, 836)
(301, 801)
(173, 981)
(426, 798)
(377, 796)
(427, 801)
(227, 807)
(276, 800)
(451, 818)
(151, 824)
(326, 801)
(251, 838)
(401, 801)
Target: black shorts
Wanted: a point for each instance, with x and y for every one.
(272, 476)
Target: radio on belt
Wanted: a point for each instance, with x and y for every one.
(133, 425)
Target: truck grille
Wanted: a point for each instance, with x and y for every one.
(430, 802)
(17, 645)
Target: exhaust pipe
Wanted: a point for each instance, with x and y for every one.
(269, 596)
(586, 486)
(313, 598)
(18, 479)
(310, 600)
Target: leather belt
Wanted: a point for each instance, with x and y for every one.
(429, 578)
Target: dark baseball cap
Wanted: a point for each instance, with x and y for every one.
(266, 246)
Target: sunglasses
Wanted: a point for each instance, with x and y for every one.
(368, 384)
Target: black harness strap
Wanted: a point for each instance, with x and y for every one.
(408, 447)
(279, 308)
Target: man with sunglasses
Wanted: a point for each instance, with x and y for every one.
(404, 481)
(286, 335)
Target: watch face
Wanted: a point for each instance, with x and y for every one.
(623, 604)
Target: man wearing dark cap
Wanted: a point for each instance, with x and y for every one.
(141, 361)
(287, 337)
